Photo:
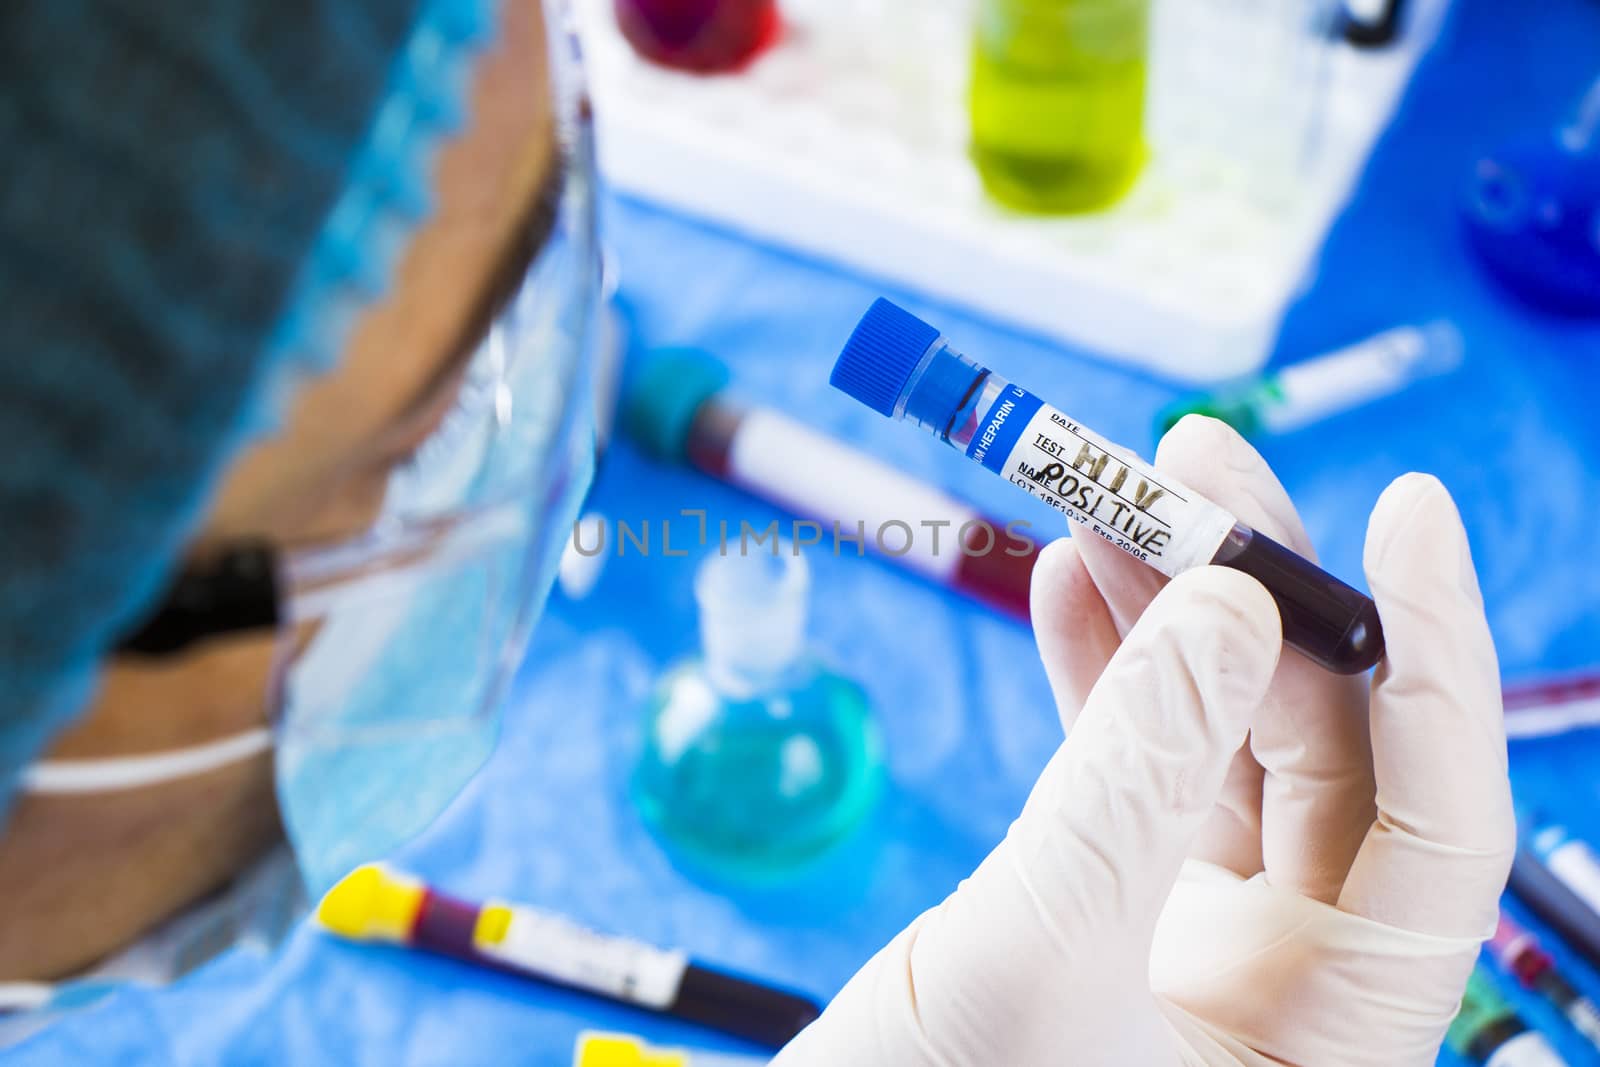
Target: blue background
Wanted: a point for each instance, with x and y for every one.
(1513, 434)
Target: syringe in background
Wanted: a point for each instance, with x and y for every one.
(1519, 953)
(903, 368)
(1306, 392)
(676, 407)
(1487, 1030)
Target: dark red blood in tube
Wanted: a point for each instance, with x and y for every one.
(711, 437)
(997, 569)
(445, 924)
(1329, 622)
(761, 1013)
(698, 35)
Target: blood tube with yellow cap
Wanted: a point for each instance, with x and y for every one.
(374, 903)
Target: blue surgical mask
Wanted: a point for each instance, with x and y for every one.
(398, 645)
(406, 705)
(395, 701)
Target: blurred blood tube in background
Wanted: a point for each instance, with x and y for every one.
(676, 407)
(698, 35)
(1518, 952)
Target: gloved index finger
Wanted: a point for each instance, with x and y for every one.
(1314, 799)
(1436, 858)
(1071, 625)
(1115, 813)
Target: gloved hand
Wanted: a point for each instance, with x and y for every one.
(1177, 892)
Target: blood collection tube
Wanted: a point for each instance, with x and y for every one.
(1518, 952)
(901, 367)
(677, 407)
(1548, 897)
(1487, 1030)
(373, 903)
(1571, 860)
(698, 35)
(1540, 709)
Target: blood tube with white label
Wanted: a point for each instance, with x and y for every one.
(677, 407)
(1518, 952)
(1571, 860)
(901, 367)
(373, 903)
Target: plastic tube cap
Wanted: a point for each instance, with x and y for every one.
(620, 1050)
(663, 394)
(881, 355)
(372, 904)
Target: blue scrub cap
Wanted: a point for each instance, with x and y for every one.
(194, 200)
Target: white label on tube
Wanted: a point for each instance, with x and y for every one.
(1527, 1049)
(1575, 864)
(1102, 487)
(1342, 380)
(810, 474)
(559, 950)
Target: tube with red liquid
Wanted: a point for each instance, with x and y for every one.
(1519, 954)
(677, 407)
(1540, 709)
(375, 904)
(704, 36)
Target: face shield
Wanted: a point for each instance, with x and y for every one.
(395, 647)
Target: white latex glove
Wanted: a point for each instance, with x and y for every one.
(1177, 893)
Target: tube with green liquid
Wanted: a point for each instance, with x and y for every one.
(1057, 101)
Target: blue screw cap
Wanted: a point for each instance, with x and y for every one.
(881, 355)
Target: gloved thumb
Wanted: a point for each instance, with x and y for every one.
(1114, 815)
(1052, 933)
